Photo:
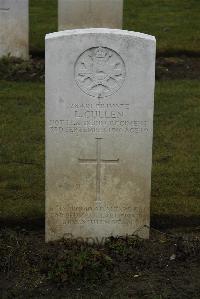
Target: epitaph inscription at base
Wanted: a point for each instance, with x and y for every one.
(99, 127)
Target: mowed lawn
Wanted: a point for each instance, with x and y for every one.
(176, 159)
(175, 23)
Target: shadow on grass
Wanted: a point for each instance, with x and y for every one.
(169, 53)
(37, 53)
(174, 221)
(162, 222)
(34, 53)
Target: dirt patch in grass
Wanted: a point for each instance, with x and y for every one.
(166, 266)
(16, 69)
(182, 67)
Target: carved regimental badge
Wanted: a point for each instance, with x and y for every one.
(99, 72)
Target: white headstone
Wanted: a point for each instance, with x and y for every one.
(14, 28)
(90, 13)
(99, 126)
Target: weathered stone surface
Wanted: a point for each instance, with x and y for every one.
(99, 126)
(14, 24)
(74, 14)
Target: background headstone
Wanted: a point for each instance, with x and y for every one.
(14, 28)
(99, 126)
(74, 14)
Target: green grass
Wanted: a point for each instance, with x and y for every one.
(22, 149)
(175, 23)
(43, 20)
(175, 177)
(176, 160)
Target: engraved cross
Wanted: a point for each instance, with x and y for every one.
(98, 161)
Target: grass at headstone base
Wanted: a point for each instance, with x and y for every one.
(176, 159)
(175, 23)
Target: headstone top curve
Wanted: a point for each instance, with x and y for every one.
(99, 31)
